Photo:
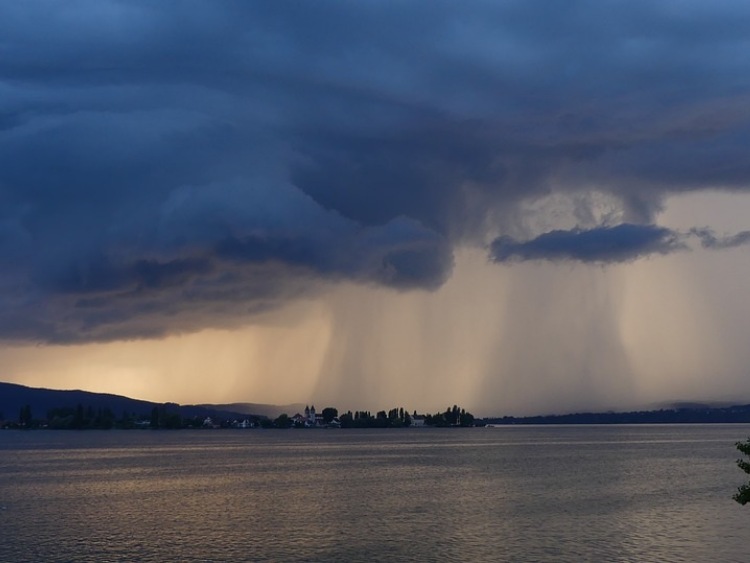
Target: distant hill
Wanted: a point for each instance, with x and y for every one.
(270, 411)
(677, 405)
(14, 396)
(693, 413)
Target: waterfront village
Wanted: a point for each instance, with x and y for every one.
(329, 418)
(173, 416)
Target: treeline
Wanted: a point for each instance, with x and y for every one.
(79, 418)
(451, 417)
(64, 418)
(393, 418)
(165, 416)
(84, 418)
(168, 416)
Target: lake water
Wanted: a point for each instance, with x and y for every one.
(568, 494)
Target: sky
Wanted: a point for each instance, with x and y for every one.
(521, 207)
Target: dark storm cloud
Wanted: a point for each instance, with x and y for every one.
(620, 243)
(600, 245)
(100, 275)
(166, 166)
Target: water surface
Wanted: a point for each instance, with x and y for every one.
(548, 493)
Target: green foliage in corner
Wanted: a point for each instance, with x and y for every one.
(743, 493)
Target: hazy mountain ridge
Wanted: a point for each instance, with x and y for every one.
(698, 414)
(14, 396)
(257, 409)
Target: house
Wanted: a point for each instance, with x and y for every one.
(417, 421)
(209, 423)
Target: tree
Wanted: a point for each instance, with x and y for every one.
(171, 420)
(78, 418)
(407, 419)
(347, 419)
(25, 417)
(283, 421)
(466, 419)
(154, 423)
(743, 493)
(329, 413)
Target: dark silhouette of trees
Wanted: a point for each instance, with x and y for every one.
(453, 416)
(24, 416)
(743, 493)
(347, 420)
(78, 418)
(162, 418)
(283, 421)
(329, 413)
(407, 419)
(154, 417)
(170, 420)
(393, 418)
(466, 419)
(104, 418)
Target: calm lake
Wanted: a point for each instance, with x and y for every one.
(552, 493)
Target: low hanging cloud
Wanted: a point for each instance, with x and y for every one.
(608, 244)
(164, 168)
(709, 239)
(620, 243)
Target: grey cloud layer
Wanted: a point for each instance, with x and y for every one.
(164, 166)
(604, 244)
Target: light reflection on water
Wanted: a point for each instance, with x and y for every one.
(603, 493)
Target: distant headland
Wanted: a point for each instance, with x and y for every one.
(28, 407)
(23, 407)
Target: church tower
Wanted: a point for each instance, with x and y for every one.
(311, 415)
